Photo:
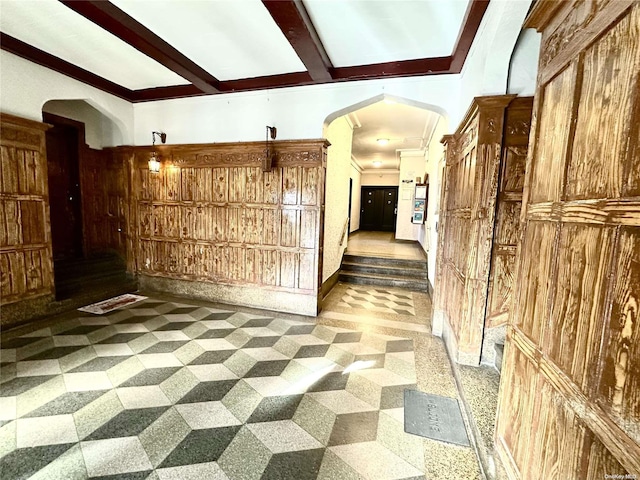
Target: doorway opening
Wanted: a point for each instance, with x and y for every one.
(83, 273)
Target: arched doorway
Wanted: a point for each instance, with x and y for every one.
(381, 149)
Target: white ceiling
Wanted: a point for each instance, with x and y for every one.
(239, 39)
(58, 30)
(406, 127)
(358, 32)
(230, 39)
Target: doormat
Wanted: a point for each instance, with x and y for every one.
(111, 304)
(435, 417)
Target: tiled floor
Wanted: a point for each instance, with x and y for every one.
(383, 244)
(178, 389)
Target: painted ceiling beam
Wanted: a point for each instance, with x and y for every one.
(293, 19)
(470, 25)
(35, 55)
(115, 21)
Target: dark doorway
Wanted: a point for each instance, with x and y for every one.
(379, 208)
(63, 161)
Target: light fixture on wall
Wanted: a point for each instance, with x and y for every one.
(382, 141)
(270, 154)
(154, 162)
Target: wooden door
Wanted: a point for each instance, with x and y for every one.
(570, 392)
(64, 189)
(378, 206)
(389, 206)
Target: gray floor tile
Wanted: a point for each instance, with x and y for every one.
(307, 351)
(354, 428)
(217, 333)
(121, 338)
(212, 357)
(208, 391)
(165, 347)
(270, 368)
(219, 316)
(67, 403)
(347, 337)
(201, 446)
(128, 423)
(55, 353)
(271, 409)
(22, 384)
(331, 381)
(24, 462)
(150, 376)
(259, 342)
(301, 465)
(100, 364)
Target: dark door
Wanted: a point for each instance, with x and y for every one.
(379, 206)
(64, 190)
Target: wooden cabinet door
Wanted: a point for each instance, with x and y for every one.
(570, 393)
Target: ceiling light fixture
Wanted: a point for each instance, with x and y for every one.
(154, 162)
(382, 141)
(377, 163)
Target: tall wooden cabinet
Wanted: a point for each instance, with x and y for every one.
(479, 221)
(570, 392)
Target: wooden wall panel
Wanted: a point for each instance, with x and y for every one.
(575, 318)
(619, 389)
(213, 215)
(479, 221)
(26, 268)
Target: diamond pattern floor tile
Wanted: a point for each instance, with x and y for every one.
(163, 391)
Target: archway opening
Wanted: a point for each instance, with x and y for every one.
(383, 152)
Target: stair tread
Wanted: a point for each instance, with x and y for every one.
(373, 275)
(392, 267)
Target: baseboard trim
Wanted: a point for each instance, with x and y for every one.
(328, 285)
(242, 295)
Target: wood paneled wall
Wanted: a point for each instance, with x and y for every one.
(482, 194)
(26, 269)
(570, 393)
(508, 208)
(104, 180)
(213, 215)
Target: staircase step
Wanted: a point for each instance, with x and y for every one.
(498, 358)
(391, 262)
(383, 280)
(392, 270)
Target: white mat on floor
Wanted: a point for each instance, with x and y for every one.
(111, 304)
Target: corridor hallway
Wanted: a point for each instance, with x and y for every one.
(172, 388)
(384, 245)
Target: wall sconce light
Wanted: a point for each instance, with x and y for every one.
(154, 162)
(270, 155)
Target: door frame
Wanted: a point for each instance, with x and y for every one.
(378, 187)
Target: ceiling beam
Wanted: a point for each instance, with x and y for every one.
(295, 23)
(470, 25)
(404, 68)
(115, 21)
(35, 55)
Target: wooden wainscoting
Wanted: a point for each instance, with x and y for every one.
(26, 268)
(212, 215)
(479, 208)
(570, 393)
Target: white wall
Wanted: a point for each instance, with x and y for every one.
(297, 112)
(524, 63)
(356, 177)
(98, 128)
(412, 165)
(380, 178)
(486, 69)
(435, 163)
(336, 211)
(26, 87)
